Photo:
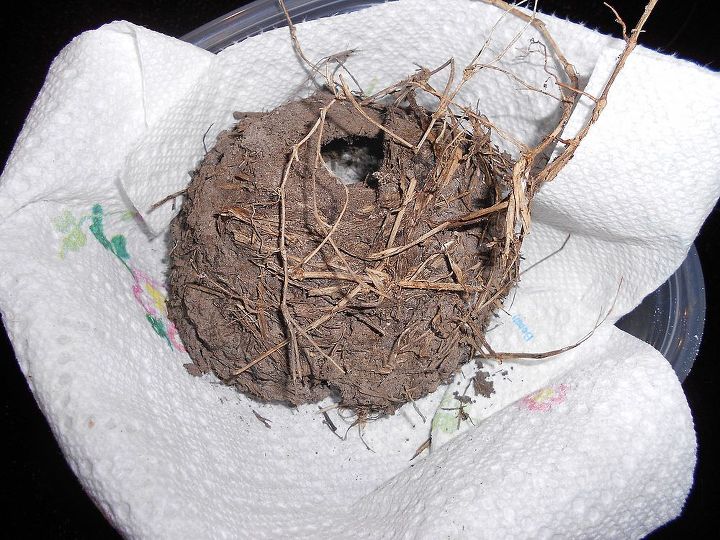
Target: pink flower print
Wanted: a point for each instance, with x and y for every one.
(149, 294)
(173, 336)
(545, 399)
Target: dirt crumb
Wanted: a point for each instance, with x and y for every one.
(482, 384)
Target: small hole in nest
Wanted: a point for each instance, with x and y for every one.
(354, 159)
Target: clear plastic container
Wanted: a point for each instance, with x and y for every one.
(671, 319)
(262, 15)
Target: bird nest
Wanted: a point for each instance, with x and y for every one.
(357, 246)
(373, 282)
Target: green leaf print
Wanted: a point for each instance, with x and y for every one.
(73, 241)
(159, 328)
(74, 238)
(97, 228)
(118, 246)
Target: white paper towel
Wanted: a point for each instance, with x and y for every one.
(598, 442)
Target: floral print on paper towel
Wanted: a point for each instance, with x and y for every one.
(545, 399)
(452, 413)
(148, 292)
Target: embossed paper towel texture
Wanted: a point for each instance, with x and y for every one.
(168, 455)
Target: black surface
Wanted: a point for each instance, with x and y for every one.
(41, 497)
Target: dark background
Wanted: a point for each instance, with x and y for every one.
(40, 495)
